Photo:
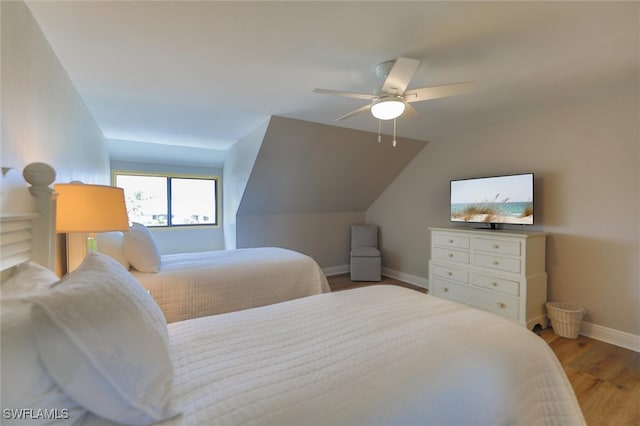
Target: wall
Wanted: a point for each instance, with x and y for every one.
(586, 163)
(306, 167)
(181, 239)
(238, 164)
(323, 236)
(43, 117)
(310, 182)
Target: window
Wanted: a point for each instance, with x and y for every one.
(160, 200)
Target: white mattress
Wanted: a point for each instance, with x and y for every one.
(375, 355)
(191, 285)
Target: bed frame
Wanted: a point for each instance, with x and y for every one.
(31, 235)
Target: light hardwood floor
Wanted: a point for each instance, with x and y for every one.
(605, 378)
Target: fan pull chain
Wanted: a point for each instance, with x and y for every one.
(394, 132)
(379, 131)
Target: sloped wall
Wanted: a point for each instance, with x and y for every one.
(311, 182)
(238, 164)
(44, 119)
(306, 167)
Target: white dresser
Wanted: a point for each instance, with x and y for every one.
(496, 270)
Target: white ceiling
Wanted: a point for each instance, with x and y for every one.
(204, 74)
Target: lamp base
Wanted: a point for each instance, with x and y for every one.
(92, 242)
(78, 245)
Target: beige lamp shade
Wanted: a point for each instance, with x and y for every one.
(90, 208)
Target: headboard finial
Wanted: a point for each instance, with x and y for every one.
(39, 174)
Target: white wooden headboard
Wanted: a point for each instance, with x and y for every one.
(15, 239)
(31, 235)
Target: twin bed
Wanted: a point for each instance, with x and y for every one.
(192, 285)
(374, 355)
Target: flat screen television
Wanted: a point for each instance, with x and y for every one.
(493, 200)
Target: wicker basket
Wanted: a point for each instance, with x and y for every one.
(565, 319)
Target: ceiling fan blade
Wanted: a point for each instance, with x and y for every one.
(435, 92)
(409, 111)
(355, 112)
(400, 76)
(345, 94)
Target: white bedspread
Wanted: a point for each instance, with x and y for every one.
(378, 355)
(191, 285)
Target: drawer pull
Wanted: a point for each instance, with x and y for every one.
(450, 241)
(496, 246)
(502, 305)
(445, 289)
(495, 284)
(495, 262)
(450, 254)
(449, 273)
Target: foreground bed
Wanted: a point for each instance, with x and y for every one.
(192, 285)
(377, 355)
(374, 355)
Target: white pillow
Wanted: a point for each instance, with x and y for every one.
(112, 244)
(28, 277)
(25, 382)
(140, 249)
(104, 340)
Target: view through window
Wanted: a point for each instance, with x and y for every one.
(155, 200)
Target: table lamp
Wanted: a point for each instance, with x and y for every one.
(87, 209)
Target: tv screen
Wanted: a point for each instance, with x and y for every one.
(493, 200)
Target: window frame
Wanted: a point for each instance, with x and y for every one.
(168, 177)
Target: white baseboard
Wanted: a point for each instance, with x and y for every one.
(336, 270)
(610, 335)
(407, 278)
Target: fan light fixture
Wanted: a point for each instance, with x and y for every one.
(388, 107)
(392, 98)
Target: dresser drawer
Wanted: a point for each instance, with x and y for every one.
(449, 290)
(498, 263)
(446, 272)
(450, 240)
(458, 256)
(510, 248)
(497, 284)
(503, 305)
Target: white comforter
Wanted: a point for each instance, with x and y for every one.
(191, 285)
(377, 355)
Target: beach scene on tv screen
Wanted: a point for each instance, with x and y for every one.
(503, 199)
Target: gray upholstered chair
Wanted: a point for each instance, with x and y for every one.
(366, 264)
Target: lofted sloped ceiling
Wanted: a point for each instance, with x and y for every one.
(306, 167)
(203, 74)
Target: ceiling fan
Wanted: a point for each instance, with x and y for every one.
(392, 99)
